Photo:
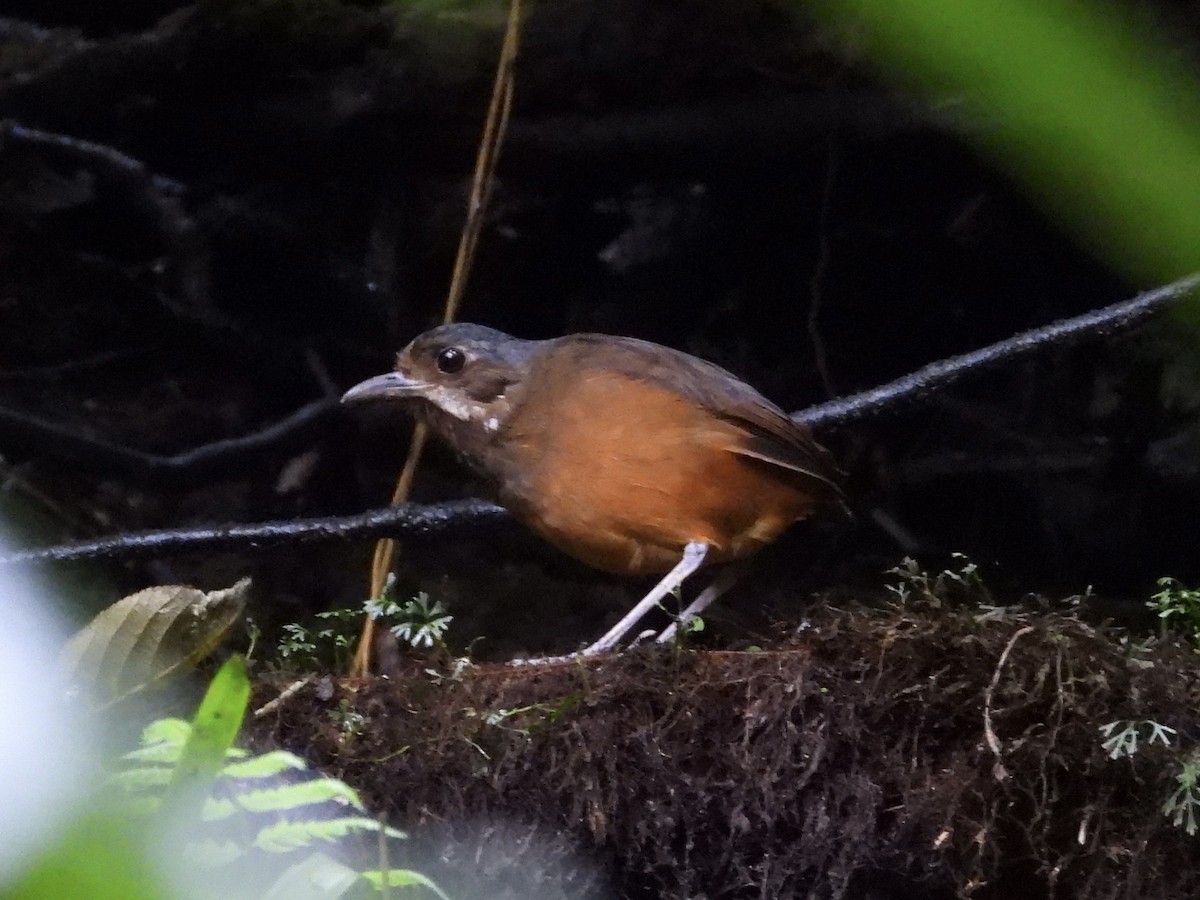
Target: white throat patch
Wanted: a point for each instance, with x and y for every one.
(461, 407)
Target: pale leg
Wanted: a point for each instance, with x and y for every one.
(693, 557)
(707, 597)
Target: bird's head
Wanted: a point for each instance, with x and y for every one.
(457, 377)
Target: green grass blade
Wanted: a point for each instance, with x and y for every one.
(214, 728)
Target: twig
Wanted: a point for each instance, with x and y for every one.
(918, 385)
(99, 157)
(35, 42)
(27, 433)
(482, 181)
(286, 694)
(998, 771)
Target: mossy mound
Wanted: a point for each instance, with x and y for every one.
(879, 753)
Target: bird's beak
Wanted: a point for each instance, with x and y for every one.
(393, 385)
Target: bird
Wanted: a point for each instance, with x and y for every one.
(630, 456)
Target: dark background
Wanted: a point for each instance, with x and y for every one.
(715, 176)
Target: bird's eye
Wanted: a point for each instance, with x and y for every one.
(451, 360)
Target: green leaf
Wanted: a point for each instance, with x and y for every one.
(98, 857)
(167, 754)
(304, 793)
(218, 808)
(167, 731)
(283, 837)
(162, 740)
(402, 878)
(216, 725)
(287, 797)
(265, 766)
(142, 778)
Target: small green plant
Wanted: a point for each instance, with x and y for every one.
(1079, 601)
(296, 648)
(1122, 737)
(330, 646)
(454, 675)
(1178, 609)
(349, 720)
(963, 584)
(419, 622)
(526, 720)
(1181, 806)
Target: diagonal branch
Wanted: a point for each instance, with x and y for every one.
(921, 384)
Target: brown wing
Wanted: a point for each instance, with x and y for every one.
(773, 437)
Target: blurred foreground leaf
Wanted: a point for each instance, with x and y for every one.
(1094, 113)
(98, 857)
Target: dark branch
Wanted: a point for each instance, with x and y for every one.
(100, 158)
(919, 385)
(408, 520)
